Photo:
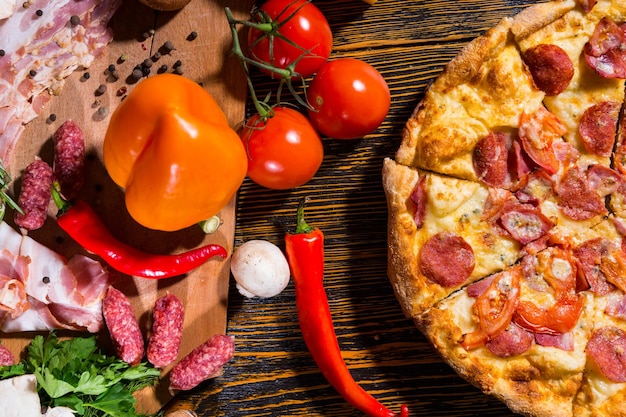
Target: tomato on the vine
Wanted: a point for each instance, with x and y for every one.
(299, 34)
(284, 150)
(349, 98)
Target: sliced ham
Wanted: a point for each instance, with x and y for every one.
(40, 52)
(55, 293)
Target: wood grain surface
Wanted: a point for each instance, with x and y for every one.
(272, 373)
(139, 33)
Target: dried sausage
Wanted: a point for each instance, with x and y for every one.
(167, 330)
(69, 159)
(123, 326)
(35, 195)
(202, 362)
(6, 357)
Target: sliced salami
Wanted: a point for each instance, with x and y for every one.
(491, 159)
(167, 330)
(597, 127)
(607, 349)
(69, 158)
(202, 363)
(123, 326)
(447, 259)
(6, 357)
(551, 68)
(35, 195)
(606, 50)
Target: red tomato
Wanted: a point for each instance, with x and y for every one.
(296, 22)
(494, 308)
(349, 99)
(283, 152)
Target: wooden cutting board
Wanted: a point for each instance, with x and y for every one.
(204, 59)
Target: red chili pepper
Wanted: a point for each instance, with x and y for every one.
(83, 225)
(305, 253)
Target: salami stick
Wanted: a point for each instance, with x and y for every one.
(35, 195)
(69, 159)
(167, 331)
(123, 326)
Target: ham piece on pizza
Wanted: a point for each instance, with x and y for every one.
(507, 211)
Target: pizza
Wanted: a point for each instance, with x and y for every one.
(507, 211)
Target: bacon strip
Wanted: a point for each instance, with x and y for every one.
(40, 52)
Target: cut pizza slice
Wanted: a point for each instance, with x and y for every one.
(572, 60)
(483, 91)
(523, 334)
(445, 233)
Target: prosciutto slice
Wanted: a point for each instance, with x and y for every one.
(39, 52)
(41, 290)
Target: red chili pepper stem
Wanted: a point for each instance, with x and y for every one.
(305, 253)
(83, 225)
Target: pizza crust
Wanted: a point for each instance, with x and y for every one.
(485, 87)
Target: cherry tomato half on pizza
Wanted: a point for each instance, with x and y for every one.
(284, 150)
(297, 34)
(349, 98)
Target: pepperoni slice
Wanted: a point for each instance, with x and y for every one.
(525, 224)
(551, 68)
(589, 255)
(605, 52)
(447, 259)
(537, 132)
(597, 127)
(491, 159)
(607, 348)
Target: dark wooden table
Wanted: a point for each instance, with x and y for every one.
(272, 373)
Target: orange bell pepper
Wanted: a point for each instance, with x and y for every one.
(169, 145)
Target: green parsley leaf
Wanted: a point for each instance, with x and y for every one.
(74, 373)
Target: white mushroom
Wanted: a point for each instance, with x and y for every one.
(260, 269)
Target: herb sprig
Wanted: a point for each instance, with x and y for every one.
(5, 198)
(74, 373)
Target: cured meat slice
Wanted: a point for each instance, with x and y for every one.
(597, 127)
(40, 52)
(606, 50)
(58, 293)
(550, 66)
(607, 348)
(447, 259)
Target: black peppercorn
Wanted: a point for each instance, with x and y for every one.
(74, 20)
(39, 12)
(192, 36)
(32, 73)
